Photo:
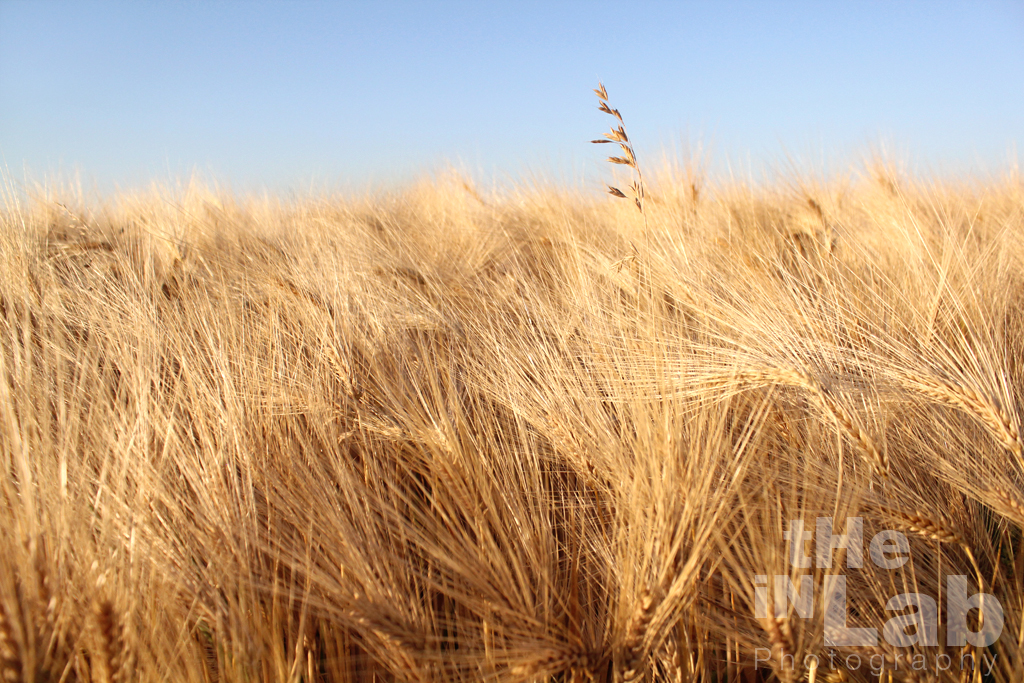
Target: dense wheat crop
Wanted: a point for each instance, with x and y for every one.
(533, 436)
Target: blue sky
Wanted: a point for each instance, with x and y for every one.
(289, 95)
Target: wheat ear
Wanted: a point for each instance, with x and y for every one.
(10, 659)
(781, 637)
(996, 420)
(1009, 505)
(926, 525)
(571, 664)
(109, 643)
(635, 651)
(937, 528)
(875, 457)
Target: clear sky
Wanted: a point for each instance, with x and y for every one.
(287, 94)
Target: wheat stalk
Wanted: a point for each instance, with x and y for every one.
(636, 190)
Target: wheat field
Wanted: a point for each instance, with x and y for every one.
(535, 435)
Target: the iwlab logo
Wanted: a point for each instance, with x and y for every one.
(918, 620)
